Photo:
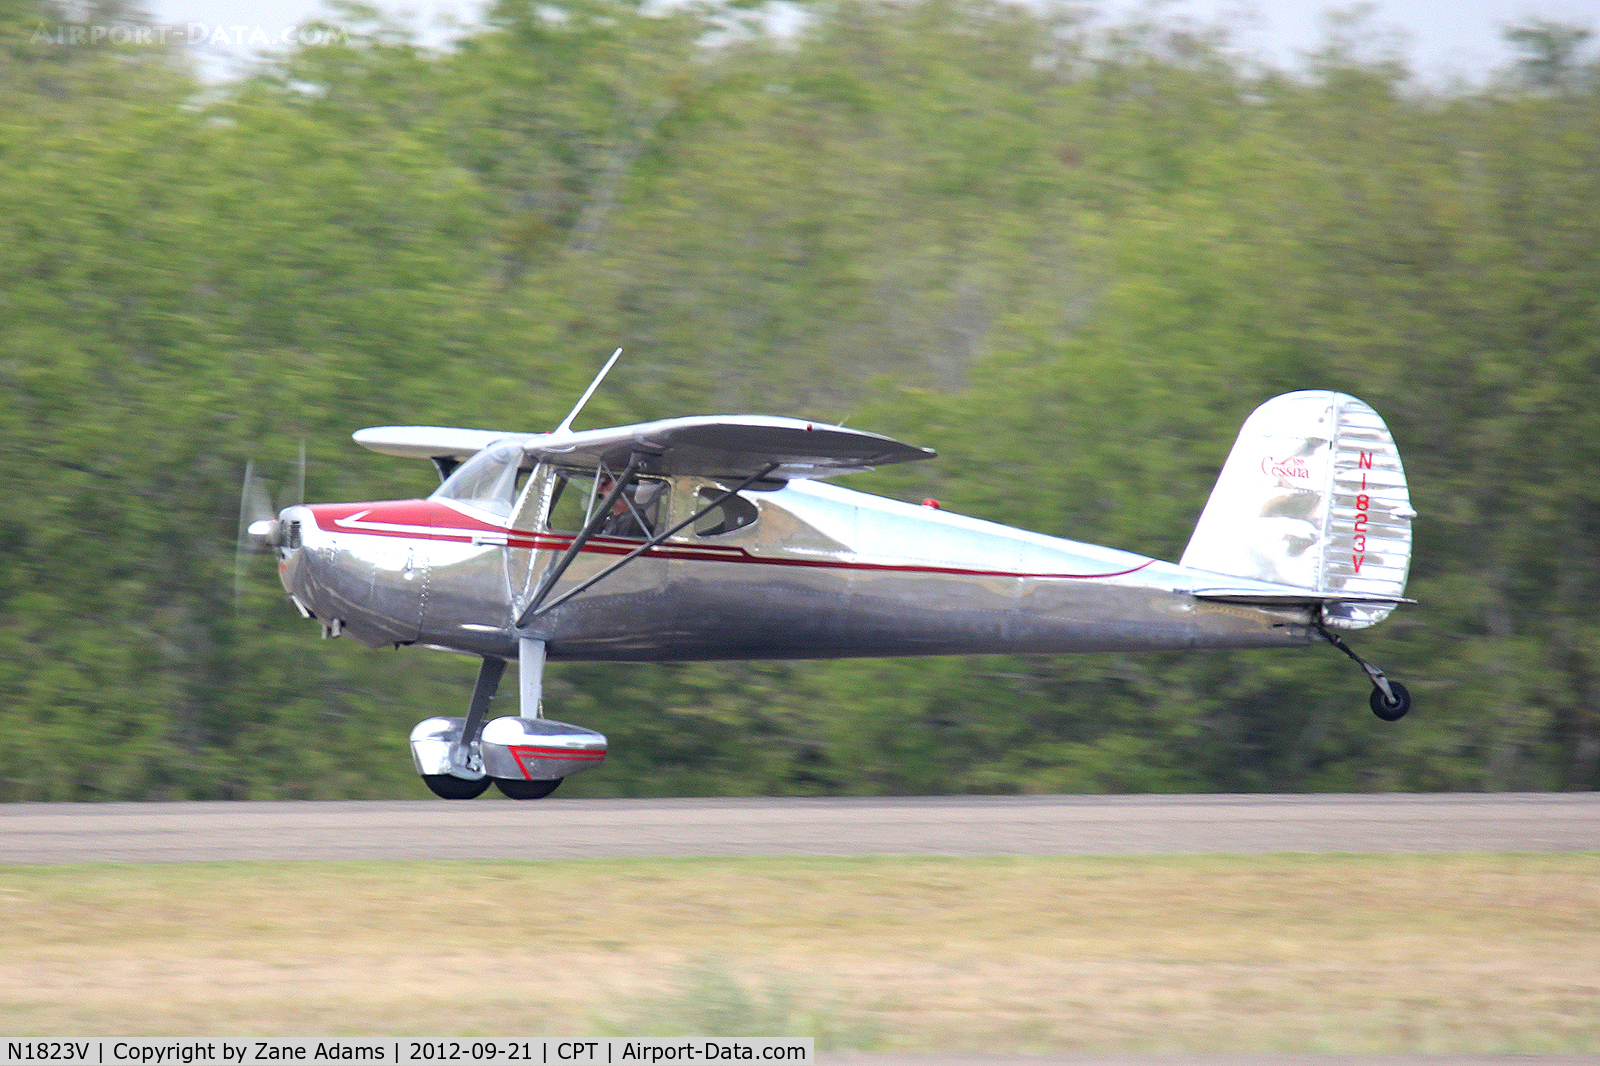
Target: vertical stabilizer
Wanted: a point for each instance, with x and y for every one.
(1312, 495)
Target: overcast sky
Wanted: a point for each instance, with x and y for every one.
(1445, 36)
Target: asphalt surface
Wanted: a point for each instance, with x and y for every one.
(966, 825)
(955, 825)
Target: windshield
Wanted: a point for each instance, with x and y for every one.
(488, 481)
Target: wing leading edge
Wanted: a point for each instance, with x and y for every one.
(721, 446)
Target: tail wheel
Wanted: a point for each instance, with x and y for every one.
(1391, 710)
(526, 790)
(450, 787)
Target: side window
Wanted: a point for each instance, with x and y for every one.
(735, 512)
(636, 513)
(570, 501)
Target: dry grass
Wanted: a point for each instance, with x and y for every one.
(1310, 953)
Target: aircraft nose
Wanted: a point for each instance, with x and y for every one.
(293, 521)
(282, 533)
(294, 561)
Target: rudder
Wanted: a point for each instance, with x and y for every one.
(1313, 495)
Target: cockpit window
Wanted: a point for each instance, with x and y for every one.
(488, 481)
(635, 514)
(735, 512)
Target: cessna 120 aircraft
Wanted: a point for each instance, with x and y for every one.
(717, 538)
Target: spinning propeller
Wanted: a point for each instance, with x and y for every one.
(260, 529)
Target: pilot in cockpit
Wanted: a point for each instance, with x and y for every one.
(634, 512)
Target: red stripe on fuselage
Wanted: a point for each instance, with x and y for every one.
(426, 520)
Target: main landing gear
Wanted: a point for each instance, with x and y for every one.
(1389, 700)
(528, 756)
(525, 757)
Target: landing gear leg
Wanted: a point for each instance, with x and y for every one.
(529, 755)
(530, 693)
(1389, 700)
(470, 782)
(530, 677)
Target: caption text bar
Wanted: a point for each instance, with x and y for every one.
(409, 1051)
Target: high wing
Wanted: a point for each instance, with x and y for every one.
(719, 446)
(431, 442)
(729, 446)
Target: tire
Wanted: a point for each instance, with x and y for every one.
(1387, 710)
(526, 790)
(449, 787)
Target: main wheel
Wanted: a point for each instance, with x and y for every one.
(526, 790)
(447, 786)
(1391, 710)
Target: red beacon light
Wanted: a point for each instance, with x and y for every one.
(931, 502)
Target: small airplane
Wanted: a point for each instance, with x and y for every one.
(717, 537)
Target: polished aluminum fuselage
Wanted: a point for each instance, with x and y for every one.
(823, 572)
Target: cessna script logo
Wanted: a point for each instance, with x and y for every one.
(1291, 466)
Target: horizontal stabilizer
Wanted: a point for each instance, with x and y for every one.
(1292, 597)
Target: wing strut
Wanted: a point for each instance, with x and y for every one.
(538, 607)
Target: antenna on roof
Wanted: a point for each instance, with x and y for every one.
(566, 423)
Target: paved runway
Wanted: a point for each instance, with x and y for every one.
(956, 825)
(952, 825)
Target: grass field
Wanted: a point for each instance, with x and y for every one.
(1306, 953)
